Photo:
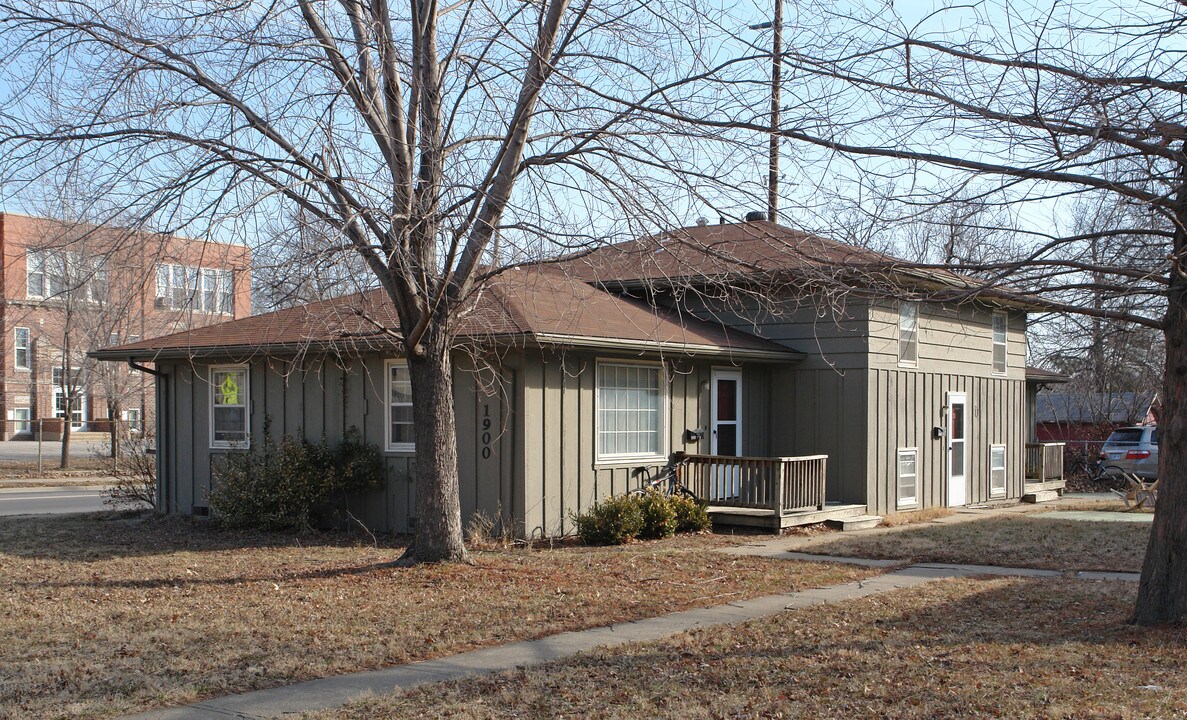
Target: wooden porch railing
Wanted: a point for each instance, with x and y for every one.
(1044, 461)
(781, 484)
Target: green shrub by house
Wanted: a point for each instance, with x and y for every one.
(612, 521)
(691, 515)
(291, 484)
(659, 516)
(649, 515)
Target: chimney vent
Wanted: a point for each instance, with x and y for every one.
(702, 221)
(756, 215)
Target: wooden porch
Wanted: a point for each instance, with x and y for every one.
(773, 493)
(1044, 472)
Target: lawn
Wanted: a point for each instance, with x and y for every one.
(1004, 647)
(1013, 540)
(107, 616)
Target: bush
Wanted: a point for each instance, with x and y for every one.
(291, 484)
(612, 521)
(135, 471)
(691, 515)
(659, 515)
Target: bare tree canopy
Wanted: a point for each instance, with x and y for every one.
(1035, 106)
(439, 143)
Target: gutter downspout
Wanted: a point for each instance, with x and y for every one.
(160, 398)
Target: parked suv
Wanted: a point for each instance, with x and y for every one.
(1132, 449)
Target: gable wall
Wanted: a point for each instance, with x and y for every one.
(955, 355)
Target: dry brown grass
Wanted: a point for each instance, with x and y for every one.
(1016, 541)
(915, 517)
(106, 616)
(978, 648)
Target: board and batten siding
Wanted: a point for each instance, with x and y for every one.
(324, 397)
(558, 423)
(955, 355)
(911, 403)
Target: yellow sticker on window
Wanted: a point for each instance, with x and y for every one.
(229, 390)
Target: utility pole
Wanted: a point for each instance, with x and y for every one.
(776, 25)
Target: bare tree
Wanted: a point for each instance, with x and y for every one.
(439, 142)
(1048, 104)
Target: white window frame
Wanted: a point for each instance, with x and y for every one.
(17, 347)
(1004, 343)
(912, 501)
(201, 289)
(245, 391)
(35, 265)
(402, 447)
(17, 422)
(913, 308)
(661, 452)
(997, 491)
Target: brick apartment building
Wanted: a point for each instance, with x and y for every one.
(68, 288)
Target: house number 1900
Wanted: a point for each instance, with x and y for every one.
(486, 431)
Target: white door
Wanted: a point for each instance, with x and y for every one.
(958, 449)
(726, 430)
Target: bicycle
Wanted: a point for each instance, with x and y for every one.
(666, 480)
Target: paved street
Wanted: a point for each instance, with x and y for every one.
(43, 500)
(25, 451)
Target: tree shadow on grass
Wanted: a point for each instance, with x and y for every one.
(110, 535)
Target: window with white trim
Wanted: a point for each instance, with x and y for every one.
(53, 273)
(400, 425)
(908, 333)
(20, 348)
(20, 418)
(997, 470)
(908, 477)
(182, 287)
(228, 406)
(630, 411)
(999, 343)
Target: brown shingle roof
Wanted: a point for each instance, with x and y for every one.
(758, 249)
(540, 304)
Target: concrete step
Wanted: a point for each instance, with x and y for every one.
(1040, 496)
(857, 522)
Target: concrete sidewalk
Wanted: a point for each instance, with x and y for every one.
(334, 692)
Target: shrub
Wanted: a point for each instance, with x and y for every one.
(691, 515)
(135, 471)
(612, 521)
(659, 515)
(291, 484)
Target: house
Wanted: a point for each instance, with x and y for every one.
(68, 288)
(1064, 417)
(575, 379)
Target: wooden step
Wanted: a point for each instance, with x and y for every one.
(1040, 496)
(762, 518)
(857, 522)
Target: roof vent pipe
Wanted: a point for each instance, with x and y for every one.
(756, 215)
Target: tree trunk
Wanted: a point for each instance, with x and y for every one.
(1162, 595)
(438, 505)
(64, 464)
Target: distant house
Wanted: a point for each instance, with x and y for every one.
(577, 379)
(68, 288)
(1063, 416)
